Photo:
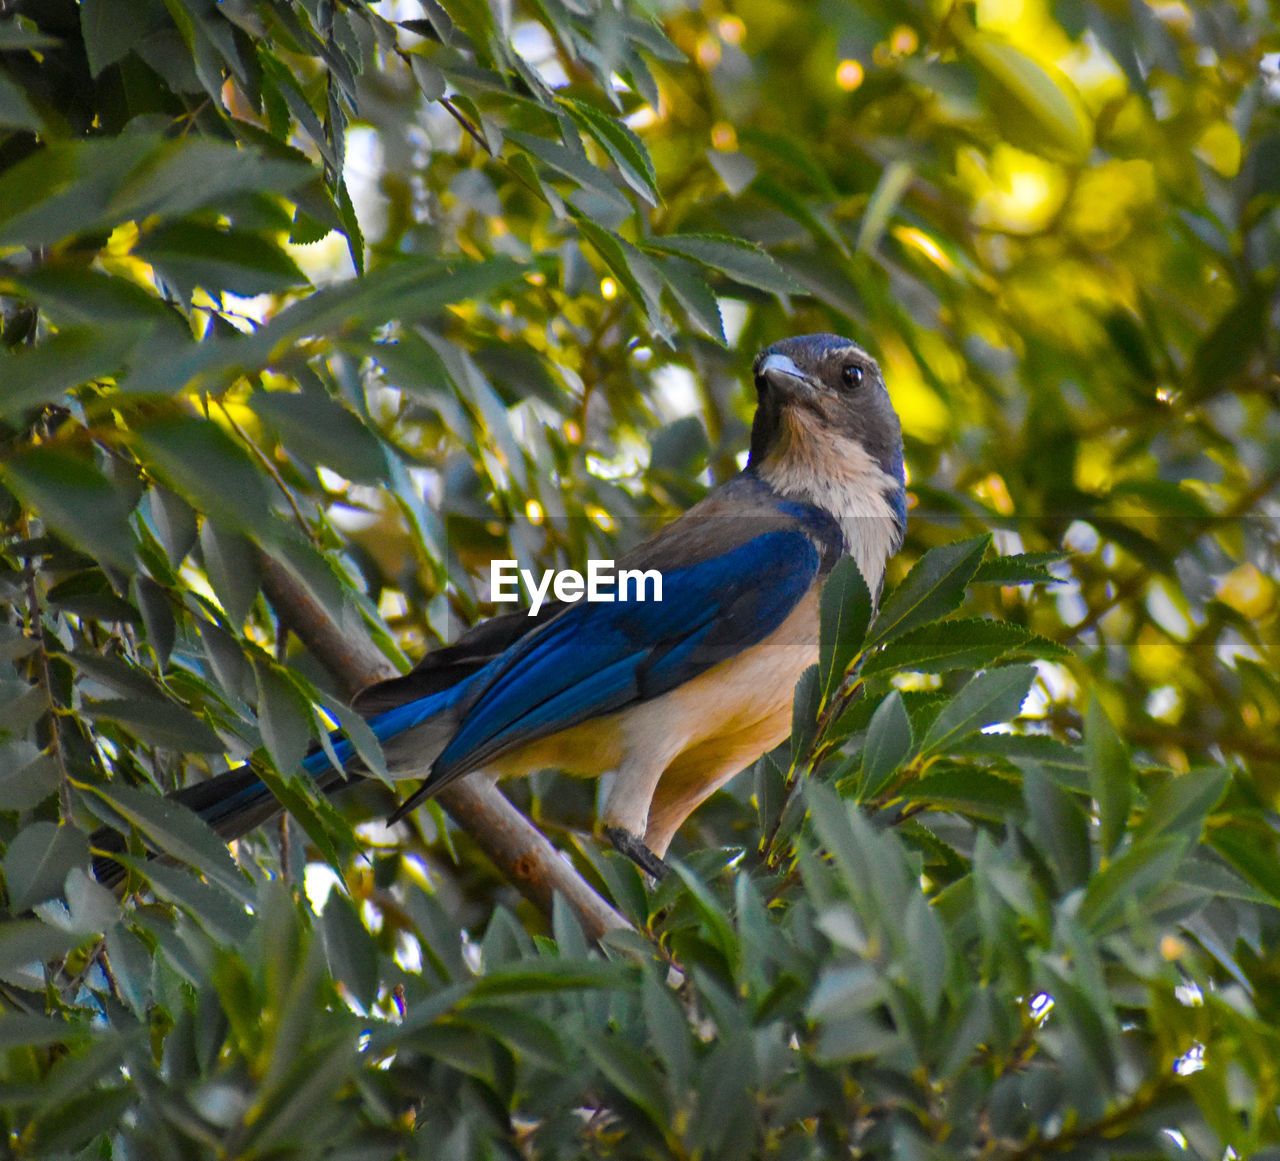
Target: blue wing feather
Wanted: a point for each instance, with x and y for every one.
(595, 659)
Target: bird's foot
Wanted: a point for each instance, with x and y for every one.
(625, 843)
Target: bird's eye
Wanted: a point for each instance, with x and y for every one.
(851, 374)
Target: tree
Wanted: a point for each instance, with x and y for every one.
(312, 309)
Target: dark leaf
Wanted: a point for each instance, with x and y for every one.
(157, 721)
(844, 615)
(889, 743)
(989, 698)
(284, 716)
(191, 255)
(739, 260)
(321, 431)
(38, 860)
(349, 948)
(231, 563)
(968, 643)
(76, 499)
(176, 831)
(63, 361)
(208, 468)
(1022, 569)
(933, 588)
(1110, 775)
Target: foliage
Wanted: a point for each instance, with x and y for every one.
(373, 293)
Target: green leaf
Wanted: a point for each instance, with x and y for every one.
(1143, 869)
(680, 447)
(319, 430)
(64, 361)
(25, 946)
(1020, 569)
(1036, 105)
(991, 697)
(324, 826)
(930, 959)
(64, 188)
(189, 255)
(574, 165)
(431, 81)
(130, 961)
(15, 35)
(1181, 802)
(1226, 350)
(176, 831)
(27, 776)
(1252, 850)
(969, 643)
(717, 922)
(84, 297)
(893, 183)
(966, 789)
(361, 737)
(38, 860)
(175, 523)
(843, 619)
(1060, 827)
(284, 716)
(75, 499)
(628, 1070)
(159, 722)
(16, 111)
(528, 976)
(635, 271)
(179, 176)
(208, 467)
(1110, 775)
(220, 913)
(740, 260)
(350, 949)
(933, 588)
(111, 28)
(889, 743)
(231, 562)
(667, 1028)
(407, 289)
(624, 148)
(694, 295)
(21, 1030)
(804, 712)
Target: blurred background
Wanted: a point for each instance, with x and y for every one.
(386, 290)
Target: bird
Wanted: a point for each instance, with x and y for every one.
(673, 697)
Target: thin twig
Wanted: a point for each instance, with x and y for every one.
(35, 626)
(270, 468)
(458, 116)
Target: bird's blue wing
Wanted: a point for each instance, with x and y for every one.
(597, 658)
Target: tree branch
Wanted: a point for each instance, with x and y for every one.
(516, 847)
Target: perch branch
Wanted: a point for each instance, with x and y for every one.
(516, 847)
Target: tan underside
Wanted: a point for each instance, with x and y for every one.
(670, 753)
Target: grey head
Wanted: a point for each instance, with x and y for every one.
(826, 431)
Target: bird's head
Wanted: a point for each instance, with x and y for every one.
(825, 430)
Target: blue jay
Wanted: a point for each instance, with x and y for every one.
(672, 697)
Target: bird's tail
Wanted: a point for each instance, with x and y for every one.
(238, 801)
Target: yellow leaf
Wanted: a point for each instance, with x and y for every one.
(1042, 110)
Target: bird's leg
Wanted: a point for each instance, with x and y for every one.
(625, 843)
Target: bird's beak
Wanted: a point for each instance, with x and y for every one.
(781, 373)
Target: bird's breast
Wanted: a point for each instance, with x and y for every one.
(746, 697)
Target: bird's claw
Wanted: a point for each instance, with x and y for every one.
(625, 843)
